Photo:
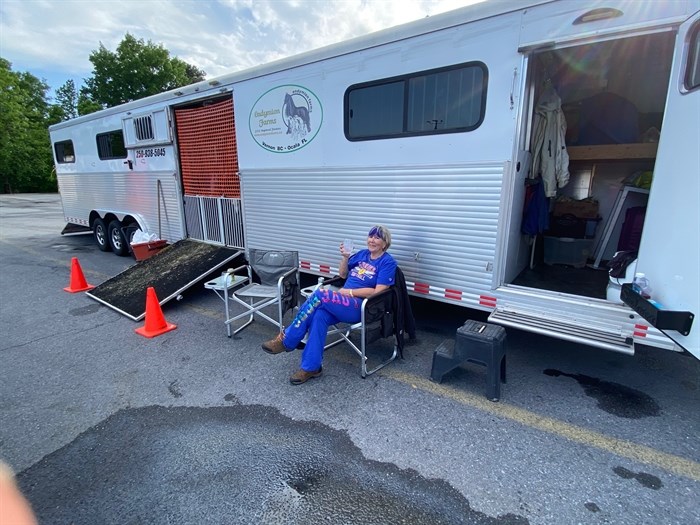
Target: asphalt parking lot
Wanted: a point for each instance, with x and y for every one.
(105, 426)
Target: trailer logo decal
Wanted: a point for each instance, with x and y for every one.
(285, 118)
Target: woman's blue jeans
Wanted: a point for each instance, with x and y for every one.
(322, 309)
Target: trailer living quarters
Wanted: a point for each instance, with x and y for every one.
(429, 128)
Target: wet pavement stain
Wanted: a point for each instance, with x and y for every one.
(233, 465)
(647, 480)
(174, 389)
(616, 399)
(84, 310)
(591, 506)
(231, 398)
(71, 248)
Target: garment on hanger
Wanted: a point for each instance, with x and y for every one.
(550, 159)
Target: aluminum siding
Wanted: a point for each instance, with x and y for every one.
(126, 193)
(444, 221)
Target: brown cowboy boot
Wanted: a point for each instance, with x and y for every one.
(276, 345)
(302, 376)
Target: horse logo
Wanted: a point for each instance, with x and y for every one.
(296, 118)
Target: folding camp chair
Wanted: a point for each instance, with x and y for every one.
(378, 321)
(278, 273)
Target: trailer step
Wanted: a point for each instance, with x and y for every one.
(562, 330)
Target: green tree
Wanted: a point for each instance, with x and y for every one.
(86, 104)
(67, 100)
(137, 69)
(25, 152)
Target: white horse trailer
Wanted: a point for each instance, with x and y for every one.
(429, 128)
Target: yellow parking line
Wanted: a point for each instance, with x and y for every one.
(620, 447)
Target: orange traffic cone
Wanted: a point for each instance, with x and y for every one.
(155, 322)
(77, 279)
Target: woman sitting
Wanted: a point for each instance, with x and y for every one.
(367, 272)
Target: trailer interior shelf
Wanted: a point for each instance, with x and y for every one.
(646, 150)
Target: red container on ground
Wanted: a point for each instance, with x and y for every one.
(146, 250)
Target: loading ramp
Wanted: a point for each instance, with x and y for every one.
(170, 272)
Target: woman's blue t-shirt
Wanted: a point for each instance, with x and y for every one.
(363, 272)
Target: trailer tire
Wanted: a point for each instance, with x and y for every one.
(99, 232)
(116, 238)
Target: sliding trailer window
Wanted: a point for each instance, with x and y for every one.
(65, 153)
(692, 72)
(446, 100)
(110, 145)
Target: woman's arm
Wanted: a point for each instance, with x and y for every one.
(361, 293)
(343, 266)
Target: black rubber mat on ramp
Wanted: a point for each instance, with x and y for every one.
(171, 271)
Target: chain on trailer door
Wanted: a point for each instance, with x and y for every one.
(209, 166)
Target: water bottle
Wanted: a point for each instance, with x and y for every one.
(640, 284)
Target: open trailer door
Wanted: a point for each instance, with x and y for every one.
(669, 253)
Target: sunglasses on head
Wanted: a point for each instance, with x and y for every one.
(376, 232)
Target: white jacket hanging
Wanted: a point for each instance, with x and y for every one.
(550, 159)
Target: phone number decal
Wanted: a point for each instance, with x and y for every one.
(150, 152)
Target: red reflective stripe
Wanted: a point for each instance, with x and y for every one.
(421, 287)
(487, 300)
(324, 268)
(306, 265)
(640, 330)
(453, 294)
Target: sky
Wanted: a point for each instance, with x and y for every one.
(53, 39)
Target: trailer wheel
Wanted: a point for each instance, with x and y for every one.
(116, 238)
(99, 231)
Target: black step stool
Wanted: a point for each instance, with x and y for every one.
(477, 342)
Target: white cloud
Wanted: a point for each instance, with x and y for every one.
(54, 39)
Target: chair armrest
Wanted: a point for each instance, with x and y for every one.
(374, 306)
(286, 277)
(249, 271)
(336, 280)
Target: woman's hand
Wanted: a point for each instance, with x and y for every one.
(343, 252)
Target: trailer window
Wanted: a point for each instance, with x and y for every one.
(64, 152)
(111, 145)
(445, 100)
(143, 126)
(692, 73)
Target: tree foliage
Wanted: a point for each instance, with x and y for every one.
(25, 150)
(135, 70)
(67, 100)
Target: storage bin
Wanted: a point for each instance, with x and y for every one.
(146, 250)
(565, 250)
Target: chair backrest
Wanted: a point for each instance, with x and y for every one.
(269, 265)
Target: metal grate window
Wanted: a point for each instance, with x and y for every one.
(143, 126)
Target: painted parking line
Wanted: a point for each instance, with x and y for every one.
(620, 447)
